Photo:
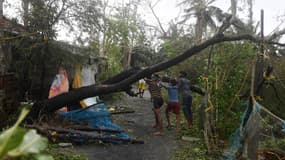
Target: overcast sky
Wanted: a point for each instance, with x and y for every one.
(168, 10)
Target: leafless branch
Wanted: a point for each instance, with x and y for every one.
(276, 35)
(157, 19)
(226, 24)
(276, 43)
(154, 3)
(63, 9)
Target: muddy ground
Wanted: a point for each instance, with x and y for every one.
(138, 125)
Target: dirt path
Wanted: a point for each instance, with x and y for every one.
(138, 125)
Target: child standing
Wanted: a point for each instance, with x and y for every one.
(142, 85)
(173, 104)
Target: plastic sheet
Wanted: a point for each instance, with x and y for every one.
(98, 117)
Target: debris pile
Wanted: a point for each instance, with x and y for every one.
(91, 124)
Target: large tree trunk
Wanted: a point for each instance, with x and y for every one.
(25, 5)
(121, 84)
(234, 7)
(1, 7)
(250, 13)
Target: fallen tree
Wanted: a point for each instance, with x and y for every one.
(122, 81)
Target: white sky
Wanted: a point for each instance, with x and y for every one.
(167, 10)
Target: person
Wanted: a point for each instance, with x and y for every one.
(155, 92)
(184, 88)
(142, 85)
(173, 103)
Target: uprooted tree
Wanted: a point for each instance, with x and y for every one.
(122, 81)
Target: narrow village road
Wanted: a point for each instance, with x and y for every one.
(139, 125)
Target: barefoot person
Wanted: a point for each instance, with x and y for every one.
(184, 88)
(155, 91)
(173, 104)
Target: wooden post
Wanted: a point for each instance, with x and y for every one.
(253, 141)
(251, 134)
(259, 63)
(208, 116)
(1, 7)
(25, 4)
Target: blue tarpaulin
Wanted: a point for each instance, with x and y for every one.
(98, 117)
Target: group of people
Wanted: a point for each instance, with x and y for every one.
(182, 85)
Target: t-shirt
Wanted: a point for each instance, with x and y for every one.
(141, 81)
(172, 93)
(141, 84)
(184, 87)
(154, 88)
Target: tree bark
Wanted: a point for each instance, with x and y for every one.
(25, 4)
(234, 7)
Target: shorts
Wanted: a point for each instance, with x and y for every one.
(186, 101)
(157, 102)
(187, 107)
(173, 107)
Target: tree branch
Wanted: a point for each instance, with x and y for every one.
(63, 9)
(157, 19)
(276, 35)
(226, 24)
(276, 43)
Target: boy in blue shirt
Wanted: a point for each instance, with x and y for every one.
(173, 104)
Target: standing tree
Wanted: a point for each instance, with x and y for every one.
(234, 7)
(40, 18)
(204, 13)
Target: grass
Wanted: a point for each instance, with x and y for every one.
(194, 150)
(59, 153)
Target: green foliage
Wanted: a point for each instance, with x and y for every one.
(274, 143)
(17, 142)
(194, 150)
(144, 55)
(229, 63)
(274, 89)
(63, 153)
(34, 65)
(175, 46)
(114, 64)
(120, 33)
(42, 16)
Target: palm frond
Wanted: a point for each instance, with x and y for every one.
(210, 2)
(189, 10)
(186, 17)
(217, 12)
